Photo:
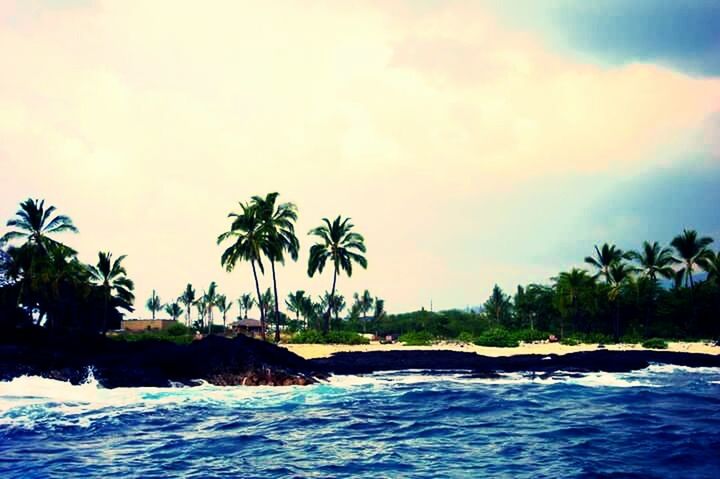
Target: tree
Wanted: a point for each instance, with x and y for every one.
(266, 301)
(571, 289)
(224, 306)
(710, 263)
(654, 260)
(210, 298)
(498, 306)
(34, 223)
(174, 310)
(187, 298)
(278, 224)
(619, 274)
(342, 247)
(246, 302)
(201, 307)
(249, 235)
(153, 304)
(364, 304)
(294, 303)
(604, 258)
(690, 249)
(116, 286)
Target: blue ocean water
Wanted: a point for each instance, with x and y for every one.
(663, 421)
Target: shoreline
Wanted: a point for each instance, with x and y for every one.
(318, 351)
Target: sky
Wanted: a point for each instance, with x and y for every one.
(471, 142)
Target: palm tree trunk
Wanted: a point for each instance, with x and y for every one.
(617, 321)
(257, 290)
(277, 308)
(326, 319)
(105, 306)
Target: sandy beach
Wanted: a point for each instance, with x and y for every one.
(310, 351)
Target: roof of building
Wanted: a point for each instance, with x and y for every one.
(247, 323)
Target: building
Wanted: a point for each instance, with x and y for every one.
(250, 327)
(137, 325)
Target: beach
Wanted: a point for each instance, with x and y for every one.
(312, 351)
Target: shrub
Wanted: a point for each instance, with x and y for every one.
(416, 338)
(311, 336)
(498, 338)
(631, 338)
(154, 336)
(655, 343)
(530, 335)
(178, 329)
(570, 341)
(466, 337)
(596, 338)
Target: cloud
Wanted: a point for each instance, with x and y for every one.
(430, 126)
(680, 34)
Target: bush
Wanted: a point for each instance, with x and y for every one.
(570, 341)
(155, 336)
(178, 329)
(596, 338)
(655, 343)
(530, 335)
(312, 336)
(466, 337)
(631, 338)
(498, 338)
(416, 338)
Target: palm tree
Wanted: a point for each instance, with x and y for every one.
(224, 306)
(246, 302)
(174, 310)
(279, 226)
(570, 289)
(690, 250)
(112, 278)
(201, 306)
(34, 223)
(266, 301)
(187, 298)
(248, 231)
(619, 274)
(210, 298)
(365, 304)
(342, 247)
(294, 302)
(710, 263)
(604, 258)
(153, 304)
(654, 260)
(335, 302)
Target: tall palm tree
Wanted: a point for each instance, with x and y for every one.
(174, 310)
(619, 275)
(294, 303)
(154, 304)
(689, 250)
(224, 306)
(187, 298)
(279, 225)
(342, 247)
(246, 302)
(249, 236)
(210, 297)
(571, 288)
(604, 258)
(654, 260)
(116, 286)
(34, 223)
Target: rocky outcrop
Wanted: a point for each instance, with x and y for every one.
(215, 359)
(589, 361)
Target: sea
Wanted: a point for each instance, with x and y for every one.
(663, 422)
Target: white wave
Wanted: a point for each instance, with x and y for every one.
(672, 368)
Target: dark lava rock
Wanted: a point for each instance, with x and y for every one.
(586, 361)
(215, 359)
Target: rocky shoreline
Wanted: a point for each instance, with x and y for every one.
(250, 362)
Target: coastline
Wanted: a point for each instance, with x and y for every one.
(317, 351)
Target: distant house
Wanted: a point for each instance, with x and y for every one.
(137, 325)
(250, 327)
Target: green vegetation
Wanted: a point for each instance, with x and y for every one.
(655, 343)
(668, 291)
(497, 337)
(176, 333)
(312, 336)
(416, 338)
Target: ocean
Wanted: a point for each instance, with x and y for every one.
(663, 421)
